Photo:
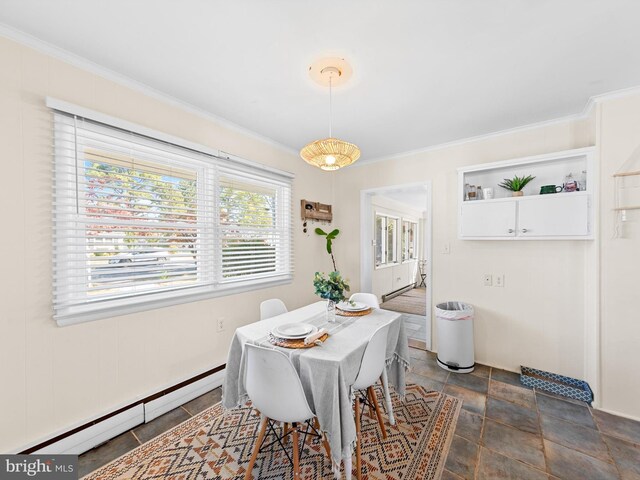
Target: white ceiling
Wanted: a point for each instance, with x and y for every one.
(424, 72)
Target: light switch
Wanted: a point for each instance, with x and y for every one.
(499, 280)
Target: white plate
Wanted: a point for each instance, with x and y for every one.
(357, 307)
(294, 330)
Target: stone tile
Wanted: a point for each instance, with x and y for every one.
(568, 464)
(471, 401)
(562, 397)
(469, 426)
(203, 402)
(161, 424)
(513, 443)
(462, 457)
(428, 383)
(421, 354)
(513, 394)
(618, 426)
(583, 439)
(626, 456)
(429, 368)
(472, 382)
(526, 419)
(447, 475)
(481, 370)
(570, 412)
(494, 466)
(103, 454)
(507, 377)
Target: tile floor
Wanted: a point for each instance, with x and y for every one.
(505, 431)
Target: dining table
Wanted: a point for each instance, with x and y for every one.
(327, 370)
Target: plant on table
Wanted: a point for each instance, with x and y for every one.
(330, 287)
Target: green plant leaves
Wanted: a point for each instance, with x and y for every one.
(330, 287)
(516, 183)
(319, 231)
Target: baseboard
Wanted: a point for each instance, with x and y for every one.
(95, 432)
(395, 293)
(165, 403)
(94, 435)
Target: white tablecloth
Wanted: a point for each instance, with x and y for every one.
(328, 371)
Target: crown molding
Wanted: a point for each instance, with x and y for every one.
(589, 106)
(47, 48)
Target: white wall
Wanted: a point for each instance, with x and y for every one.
(618, 139)
(538, 317)
(55, 378)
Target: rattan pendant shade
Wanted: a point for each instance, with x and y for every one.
(330, 153)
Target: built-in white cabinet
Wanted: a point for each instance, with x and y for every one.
(558, 216)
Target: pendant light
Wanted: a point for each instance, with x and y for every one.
(329, 153)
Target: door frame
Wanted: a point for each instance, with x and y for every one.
(367, 237)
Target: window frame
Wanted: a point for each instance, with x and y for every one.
(213, 162)
(405, 243)
(385, 248)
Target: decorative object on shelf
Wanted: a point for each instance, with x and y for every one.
(546, 189)
(570, 184)
(624, 201)
(330, 153)
(487, 193)
(516, 184)
(479, 193)
(330, 287)
(315, 211)
(471, 192)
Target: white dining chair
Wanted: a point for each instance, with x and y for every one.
(371, 367)
(271, 308)
(275, 390)
(369, 299)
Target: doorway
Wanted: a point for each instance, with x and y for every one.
(395, 263)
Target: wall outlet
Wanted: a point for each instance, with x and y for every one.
(446, 248)
(499, 280)
(487, 280)
(220, 324)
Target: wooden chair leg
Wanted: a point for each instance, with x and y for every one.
(256, 449)
(296, 461)
(370, 398)
(325, 442)
(358, 440)
(377, 407)
(285, 440)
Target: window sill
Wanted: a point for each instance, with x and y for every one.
(153, 303)
(386, 265)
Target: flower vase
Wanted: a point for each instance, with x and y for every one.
(331, 311)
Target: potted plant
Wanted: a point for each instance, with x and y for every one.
(516, 184)
(330, 287)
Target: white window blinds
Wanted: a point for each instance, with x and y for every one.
(140, 223)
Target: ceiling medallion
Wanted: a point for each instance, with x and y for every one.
(330, 153)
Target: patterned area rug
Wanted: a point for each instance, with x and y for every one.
(413, 301)
(218, 445)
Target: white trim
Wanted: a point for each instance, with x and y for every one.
(94, 435)
(89, 66)
(161, 405)
(131, 417)
(617, 413)
(367, 235)
(73, 109)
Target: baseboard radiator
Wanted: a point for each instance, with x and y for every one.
(97, 432)
(388, 296)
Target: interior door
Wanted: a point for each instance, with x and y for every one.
(553, 216)
(488, 219)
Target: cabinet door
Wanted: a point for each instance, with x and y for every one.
(488, 219)
(554, 216)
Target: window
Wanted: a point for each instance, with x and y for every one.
(385, 238)
(140, 222)
(409, 240)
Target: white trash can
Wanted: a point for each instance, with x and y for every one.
(455, 336)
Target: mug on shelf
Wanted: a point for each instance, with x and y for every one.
(545, 189)
(487, 193)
